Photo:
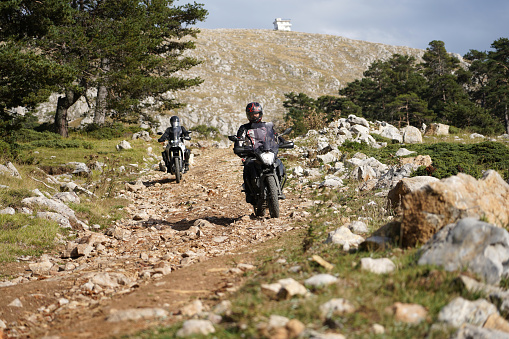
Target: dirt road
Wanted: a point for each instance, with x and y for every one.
(181, 242)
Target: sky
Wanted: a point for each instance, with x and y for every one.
(461, 24)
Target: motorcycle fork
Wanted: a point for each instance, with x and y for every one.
(261, 184)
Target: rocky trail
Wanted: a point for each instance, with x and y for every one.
(180, 243)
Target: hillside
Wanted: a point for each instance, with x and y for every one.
(241, 65)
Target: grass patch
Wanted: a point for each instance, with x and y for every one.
(21, 234)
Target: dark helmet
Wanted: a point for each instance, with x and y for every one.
(174, 121)
(253, 108)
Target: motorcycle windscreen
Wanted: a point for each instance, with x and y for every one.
(174, 133)
(262, 136)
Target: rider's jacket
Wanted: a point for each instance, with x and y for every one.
(254, 135)
(173, 133)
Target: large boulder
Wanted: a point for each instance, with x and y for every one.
(406, 186)
(480, 247)
(437, 129)
(411, 135)
(443, 202)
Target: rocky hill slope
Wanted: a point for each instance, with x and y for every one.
(243, 65)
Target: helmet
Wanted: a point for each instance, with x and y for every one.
(253, 108)
(174, 121)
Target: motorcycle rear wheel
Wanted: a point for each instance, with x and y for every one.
(272, 197)
(177, 165)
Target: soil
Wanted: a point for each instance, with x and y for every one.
(201, 228)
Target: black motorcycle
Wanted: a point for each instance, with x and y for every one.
(268, 185)
(173, 155)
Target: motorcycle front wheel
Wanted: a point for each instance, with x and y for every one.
(272, 197)
(177, 166)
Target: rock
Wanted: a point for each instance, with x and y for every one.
(136, 314)
(378, 266)
(16, 303)
(295, 327)
(320, 280)
(144, 135)
(41, 268)
(80, 168)
(123, 145)
(476, 135)
(67, 197)
(391, 132)
(481, 247)
(109, 279)
(496, 322)
(358, 227)
(338, 306)
(406, 186)
(411, 135)
(416, 162)
(162, 268)
(440, 203)
(468, 331)
(408, 313)
(194, 308)
(332, 182)
(60, 219)
(354, 120)
(53, 205)
(344, 237)
(10, 170)
(193, 327)
(8, 210)
(403, 152)
(290, 288)
(460, 311)
(393, 175)
(437, 129)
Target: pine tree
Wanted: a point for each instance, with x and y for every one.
(129, 49)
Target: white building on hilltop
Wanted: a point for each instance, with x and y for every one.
(282, 25)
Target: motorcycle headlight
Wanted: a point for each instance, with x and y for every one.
(268, 158)
(174, 143)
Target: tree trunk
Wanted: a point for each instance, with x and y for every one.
(102, 94)
(63, 104)
(100, 105)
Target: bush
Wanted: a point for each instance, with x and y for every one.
(207, 131)
(29, 135)
(450, 159)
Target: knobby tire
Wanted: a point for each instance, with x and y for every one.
(272, 197)
(178, 174)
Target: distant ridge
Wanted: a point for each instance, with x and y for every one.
(243, 65)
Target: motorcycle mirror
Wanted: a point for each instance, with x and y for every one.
(287, 131)
(160, 133)
(232, 138)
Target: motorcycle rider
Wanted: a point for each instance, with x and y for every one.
(176, 129)
(253, 134)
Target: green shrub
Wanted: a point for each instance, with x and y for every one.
(29, 135)
(454, 130)
(451, 159)
(5, 151)
(207, 132)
